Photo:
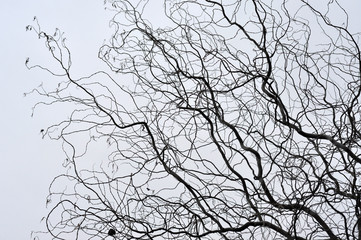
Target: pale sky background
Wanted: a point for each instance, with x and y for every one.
(28, 162)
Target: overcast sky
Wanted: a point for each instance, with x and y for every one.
(28, 162)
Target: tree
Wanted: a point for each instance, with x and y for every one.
(238, 120)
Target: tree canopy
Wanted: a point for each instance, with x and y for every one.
(227, 120)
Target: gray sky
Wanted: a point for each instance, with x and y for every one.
(28, 162)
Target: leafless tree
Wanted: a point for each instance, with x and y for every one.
(232, 119)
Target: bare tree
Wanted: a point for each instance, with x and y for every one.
(238, 120)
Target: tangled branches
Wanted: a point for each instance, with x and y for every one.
(237, 120)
